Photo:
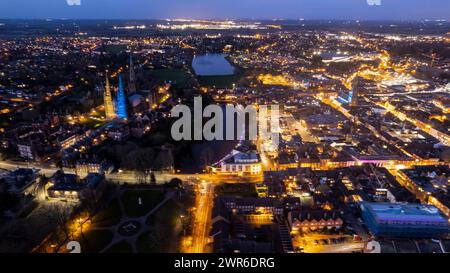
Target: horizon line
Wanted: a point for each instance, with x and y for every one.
(236, 19)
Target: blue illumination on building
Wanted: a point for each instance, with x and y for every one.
(404, 220)
(350, 96)
(345, 98)
(121, 107)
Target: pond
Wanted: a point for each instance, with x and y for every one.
(212, 65)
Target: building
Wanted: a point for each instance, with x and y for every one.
(429, 184)
(250, 205)
(262, 190)
(118, 132)
(27, 151)
(69, 187)
(314, 220)
(21, 180)
(248, 225)
(67, 140)
(238, 162)
(85, 167)
(350, 98)
(404, 220)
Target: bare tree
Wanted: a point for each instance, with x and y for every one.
(141, 162)
(58, 215)
(206, 157)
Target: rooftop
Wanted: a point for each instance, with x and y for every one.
(405, 212)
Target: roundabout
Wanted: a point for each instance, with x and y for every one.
(129, 228)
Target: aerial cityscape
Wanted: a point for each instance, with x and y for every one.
(117, 136)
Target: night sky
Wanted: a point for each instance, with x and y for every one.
(233, 9)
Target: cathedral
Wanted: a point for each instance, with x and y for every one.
(136, 101)
(115, 108)
(110, 112)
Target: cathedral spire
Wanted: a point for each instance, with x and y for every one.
(108, 102)
(121, 107)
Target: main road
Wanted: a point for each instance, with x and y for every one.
(202, 221)
(130, 177)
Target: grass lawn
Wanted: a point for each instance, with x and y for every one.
(121, 247)
(92, 123)
(95, 240)
(174, 75)
(149, 198)
(148, 243)
(109, 216)
(165, 226)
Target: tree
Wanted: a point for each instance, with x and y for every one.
(445, 156)
(7, 200)
(152, 179)
(175, 183)
(164, 160)
(316, 61)
(206, 157)
(141, 161)
(58, 215)
(89, 204)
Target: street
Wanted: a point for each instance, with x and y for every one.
(204, 205)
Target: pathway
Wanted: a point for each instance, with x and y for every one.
(117, 238)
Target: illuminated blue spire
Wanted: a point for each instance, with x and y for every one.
(350, 96)
(121, 107)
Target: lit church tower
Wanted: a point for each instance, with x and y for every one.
(121, 108)
(132, 84)
(110, 113)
